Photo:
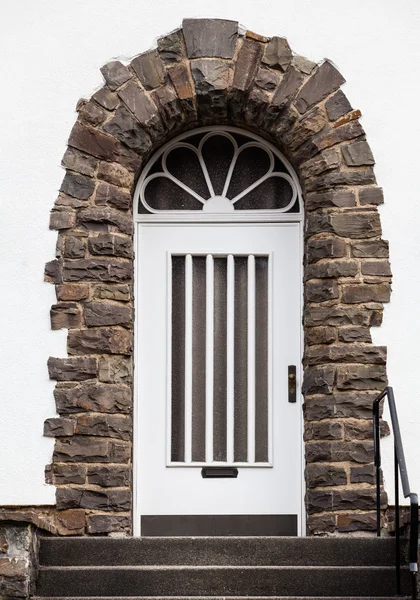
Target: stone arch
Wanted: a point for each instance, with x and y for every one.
(208, 72)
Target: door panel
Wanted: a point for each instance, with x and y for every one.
(218, 323)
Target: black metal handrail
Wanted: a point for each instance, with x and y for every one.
(400, 469)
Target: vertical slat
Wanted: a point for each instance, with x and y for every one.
(230, 356)
(219, 358)
(251, 359)
(262, 409)
(188, 357)
(209, 356)
(240, 430)
(198, 443)
(177, 418)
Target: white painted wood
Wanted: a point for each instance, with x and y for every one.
(209, 356)
(188, 357)
(259, 489)
(251, 359)
(230, 357)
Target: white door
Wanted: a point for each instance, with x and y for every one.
(218, 325)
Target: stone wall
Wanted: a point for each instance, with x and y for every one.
(18, 560)
(209, 73)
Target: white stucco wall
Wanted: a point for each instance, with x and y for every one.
(51, 52)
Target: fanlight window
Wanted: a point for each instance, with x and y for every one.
(218, 174)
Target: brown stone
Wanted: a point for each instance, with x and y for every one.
(305, 129)
(288, 87)
(71, 522)
(328, 137)
(370, 249)
(256, 37)
(333, 268)
(378, 268)
(362, 499)
(318, 380)
(13, 567)
(337, 106)
(170, 47)
(324, 430)
(115, 174)
(59, 427)
(210, 38)
(113, 500)
(111, 245)
(74, 247)
(65, 315)
(356, 225)
(277, 54)
(354, 334)
(319, 335)
(100, 340)
(120, 293)
(318, 452)
(357, 154)
(169, 106)
(113, 426)
(318, 501)
(356, 522)
(212, 78)
(350, 404)
(360, 452)
(149, 69)
(81, 163)
(101, 219)
(106, 313)
(325, 475)
(115, 74)
(140, 105)
(341, 178)
(325, 80)
(365, 474)
(303, 64)
(358, 430)
(354, 294)
(361, 377)
(371, 195)
(351, 116)
(338, 316)
(318, 248)
(106, 98)
(326, 161)
(62, 219)
(127, 130)
(64, 202)
(181, 80)
(347, 353)
(246, 64)
(80, 449)
(72, 292)
(321, 524)
(91, 113)
(108, 523)
(97, 269)
(109, 476)
(93, 142)
(115, 369)
(72, 369)
(65, 474)
(93, 397)
(321, 290)
(110, 195)
(340, 198)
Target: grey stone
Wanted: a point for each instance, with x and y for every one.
(319, 335)
(212, 79)
(321, 524)
(358, 430)
(347, 353)
(101, 219)
(169, 106)
(325, 475)
(74, 247)
(333, 268)
(318, 452)
(340, 198)
(149, 69)
(338, 405)
(79, 449)
(120, 293)
(328, 137)
(59, 427)
(256, 107)
(97, 269)
(356, 225)
(337, 106)
(142, 107)
(359, 452)
(77, 186)
(353, 294)
(65, 315)
(376, 268)
(62, 219)
(64, 474)
(324, 430)
(267, 80)
(115, 74)
(181, 80)
(111, 245)
(354, 334)
(358, 154)
(305, 129)
(110, 398)
(365, 474)
(303, 64)
(277, 53)
(210, 38)
(362, 499)
(108, 523)
(109, 476)
(110, 195)
(81, 163)
(112, 426)
(72, 369)
(371, 195)
(371, 249)
(339, 316)
(91, 113)
(321, 291)
(318, 501)
(115, 369)
(100, 340)
(288, 87)
(113, 500)
(106, 98)
(128, 131)
(341, 178)
(318, 248)
(107, 313)
(115, 174)
(325, 80)
(170, 47)
(93, 142)
(246, 65)
(318, 380)
(326, 161)
(361, 377)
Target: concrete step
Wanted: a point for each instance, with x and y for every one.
(217, 551)
(173, 581)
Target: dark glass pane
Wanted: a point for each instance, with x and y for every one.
(183, 164)
(241, 360)
(274, 192)
(217, 154)
(220, 358)
(178, 359)
(252, 164)
(163, 194)
(261, 359)
(199, 360)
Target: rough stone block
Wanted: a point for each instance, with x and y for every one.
(277, 54)
(337, 106)
(361, 377)
(354, 334)
(59, 427)
(305, 129)
(371, 195)
(376, 268)
(109, 476)
(321, 524)
(338, 316)
(100, 340)
(354, 294)
(346, 353)
(115, 74)
(110, 195)
(360, 452)
(91, 113)
(106, 98)
(358, 154)
(113, 500)
(72, 369)
(356, 522)
(115, 174)
(140, 104)
(319, 335)
(93, 142)
(74, 246)
(325, 475)
(93, 397)
(105, 313)
(81, 163)
(326, 161)
(212, 79)
(149, 69)
(321, 291)
(246, 64)
(318, 248)
(170, 47)
(97, 269)
(356, 225)
(113, 426)
(328, 137)
(65, 315)
(115, 369)
(303, 64)
(120, 293)
(359, 430)
(267, 80)
(341, 178)
(80, 449)
(108, 524)
(62, 219)
(169, 106)
(127, 130)
(318, 452)
(324, 430)
(288, 87)
(72, 292)
(370, 249)
(362, 499)
(71, 522)
(111, 245)
(102, 218)
(340, 405)
(332, 269)
(365, 474)
(210, 38)
(325, 80)
(181, 80)
(339, 198)
(67, 474)
(318, 501)
(318, 380)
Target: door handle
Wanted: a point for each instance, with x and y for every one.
(291, 381)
